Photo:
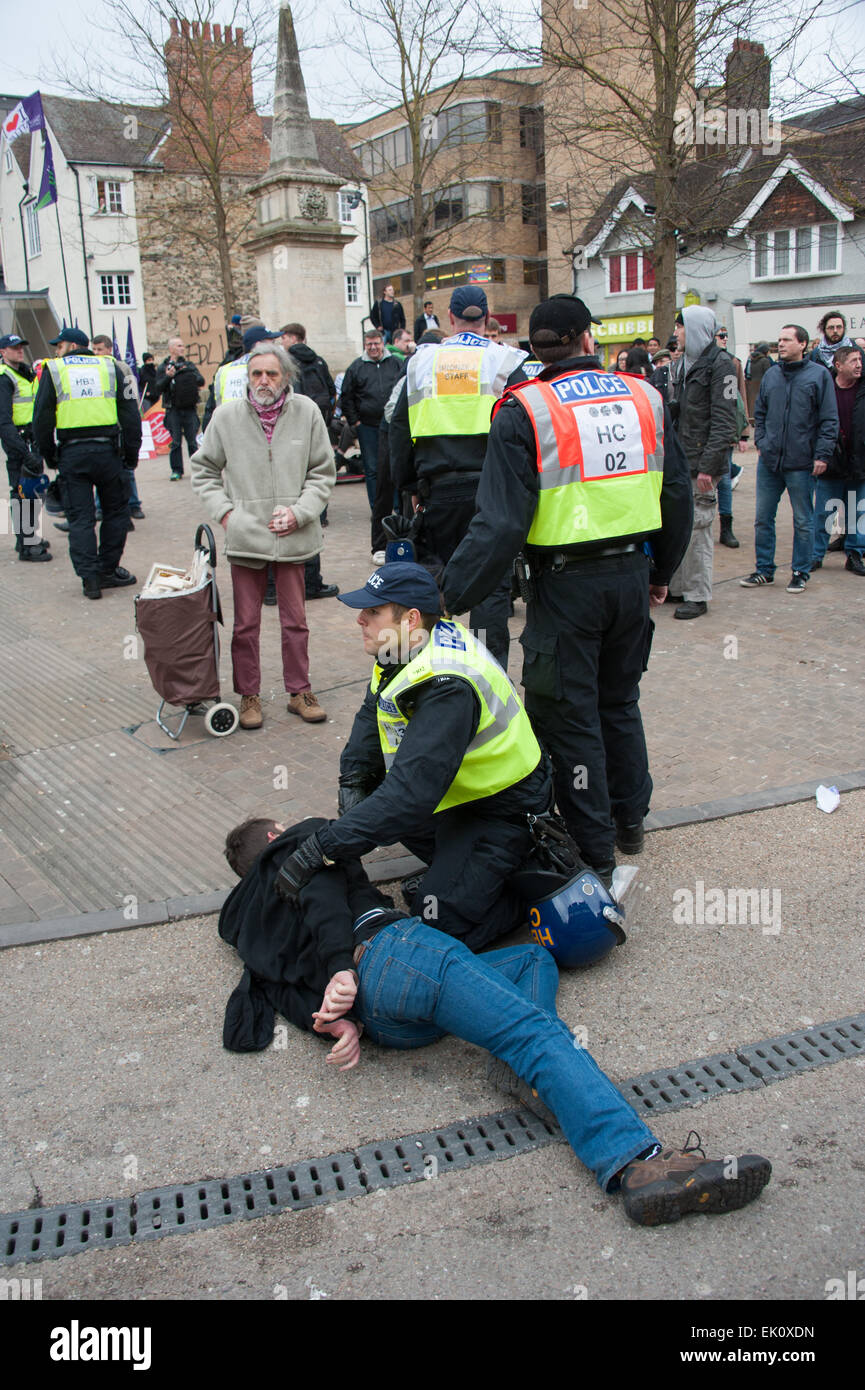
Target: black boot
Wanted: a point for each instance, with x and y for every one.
(727, 537)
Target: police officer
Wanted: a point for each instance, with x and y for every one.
(438, 438)
(441, 757)
(582, 467)
(83, 399)
(17, 394)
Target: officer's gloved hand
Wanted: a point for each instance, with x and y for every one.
(349, 796)
(299, 868)
(32, 466)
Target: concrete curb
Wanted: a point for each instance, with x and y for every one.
(383, 870)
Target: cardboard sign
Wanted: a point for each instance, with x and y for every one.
(203, 333)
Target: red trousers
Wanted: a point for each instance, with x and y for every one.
(249, 587)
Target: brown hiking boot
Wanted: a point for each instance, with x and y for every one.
(677, 1181)
(250, 712)
(306, 705)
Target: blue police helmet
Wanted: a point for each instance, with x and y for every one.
(31, 488)
(579, 922)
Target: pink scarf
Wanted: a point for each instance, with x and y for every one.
(268, 414)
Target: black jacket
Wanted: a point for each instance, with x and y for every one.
(444, 720)
(398, 320)
(366, 387)
(290, 949)
(128, 419)
(847, 463)
(420, 326)
(181, 391)
(508, 496)
(707, 421)
(315, 379)
(796, 416)
(147, 382)
(12, 436)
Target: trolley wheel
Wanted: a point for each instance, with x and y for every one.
(221, 720)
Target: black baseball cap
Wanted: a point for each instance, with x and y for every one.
(12, 340)
(402, 582)
(469, 302)
(562, 314)
(71, 335)
(257, 335)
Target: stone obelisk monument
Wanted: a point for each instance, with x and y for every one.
(298, 239)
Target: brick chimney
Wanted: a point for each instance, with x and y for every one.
(748, 76)
(209, 73)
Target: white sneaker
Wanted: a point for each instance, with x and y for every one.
(378, 557)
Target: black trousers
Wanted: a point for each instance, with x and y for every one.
(384, 490)
(180, 423)
(83, 466)
(585, 648)
(448, 511)
(464, 891)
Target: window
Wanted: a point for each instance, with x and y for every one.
(467, 123)
(391, 223)
(530, 204)
(352, 288)
(532, 128)
(34, 236)
(115, 291)
(109, 196)
(535, 273)
(629, 272)
(346, 207)
(480, 271)
(385, 151)
(401, 281)
(8, 161)
(790, 251)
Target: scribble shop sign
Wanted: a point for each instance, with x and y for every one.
(623, 330)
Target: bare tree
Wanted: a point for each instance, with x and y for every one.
(417, 56)
(183, 72)
(646, 91)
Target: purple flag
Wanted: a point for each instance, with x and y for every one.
(115, 346)
(130, 351)
(26, 116)
(48, 186)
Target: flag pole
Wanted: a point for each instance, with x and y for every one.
(63, 258)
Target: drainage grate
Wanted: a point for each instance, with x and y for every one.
(45, 1233)
(810, 1047)
(689, 1084)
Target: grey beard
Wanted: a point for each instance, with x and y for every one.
(263, 395)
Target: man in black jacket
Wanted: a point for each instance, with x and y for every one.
(87, 401)
(338, 960)
(425, 320)
(366, 387)
(179, 383)
(840, 491)
(589, 584)
(387, 314)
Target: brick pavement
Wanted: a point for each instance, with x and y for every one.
(98, 809)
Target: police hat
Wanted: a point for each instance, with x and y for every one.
(71, 335)
(409, 585)
(469, 302)
(257, 335)
(12, 340)
(563, 315)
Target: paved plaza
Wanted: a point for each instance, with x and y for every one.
(114, 1077)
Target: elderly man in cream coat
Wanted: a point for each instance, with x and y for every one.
(265, 471)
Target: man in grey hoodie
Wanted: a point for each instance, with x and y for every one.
(705, 390)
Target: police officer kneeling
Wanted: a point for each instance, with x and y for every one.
(582, 467)
(441, 758)
(84, 399)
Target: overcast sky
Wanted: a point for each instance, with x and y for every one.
(39, 37)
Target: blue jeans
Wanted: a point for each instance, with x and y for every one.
(799, 483)
(725, 492)
(852, 514)
(417, 984)
(367, 438)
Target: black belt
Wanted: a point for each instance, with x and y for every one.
(560, 564)
(452, 477)
(91, 439)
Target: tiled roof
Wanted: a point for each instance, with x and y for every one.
(97, 132)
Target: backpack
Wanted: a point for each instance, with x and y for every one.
(313, 382)
(185, 393)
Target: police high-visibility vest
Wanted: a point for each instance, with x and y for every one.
(86, 391)
(504, 749)
(600, 448)
(23, 395)
(230, 381)
(453, 386)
